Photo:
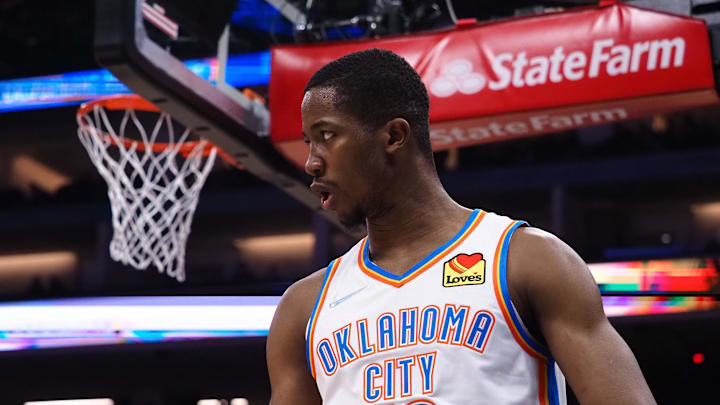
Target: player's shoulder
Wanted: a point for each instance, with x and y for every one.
(293, 311)
(528, 240)
(534, 253)
(301, 295)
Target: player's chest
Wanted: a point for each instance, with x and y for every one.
(363, 317)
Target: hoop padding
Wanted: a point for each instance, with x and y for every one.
(153, 187)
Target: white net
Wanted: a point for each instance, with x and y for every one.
(153, 193)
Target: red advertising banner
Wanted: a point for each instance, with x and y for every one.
(525, 76)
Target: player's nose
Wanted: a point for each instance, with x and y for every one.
(314, 164)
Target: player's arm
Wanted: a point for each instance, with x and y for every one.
(555, 284)
(290, 378)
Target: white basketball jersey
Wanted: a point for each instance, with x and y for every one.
(445, 332)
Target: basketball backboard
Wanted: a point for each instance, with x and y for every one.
(146, 44)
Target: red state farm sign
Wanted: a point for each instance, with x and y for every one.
(473, 131)
(526, 76)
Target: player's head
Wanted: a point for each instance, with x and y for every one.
(365, 116)
(376, 86)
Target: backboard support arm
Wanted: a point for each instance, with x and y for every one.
(124, 48)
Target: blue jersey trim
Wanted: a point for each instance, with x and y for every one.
(551, 379)
(374, 267)
(553, 394)
(308, 349)
(506, 294)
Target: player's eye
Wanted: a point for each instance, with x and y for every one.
(326, 135)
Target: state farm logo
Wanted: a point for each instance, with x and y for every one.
(518, 70)
(457, 76)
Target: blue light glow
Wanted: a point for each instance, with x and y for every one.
(261, 16)
(74, 88)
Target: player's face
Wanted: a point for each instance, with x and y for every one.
(344, 158)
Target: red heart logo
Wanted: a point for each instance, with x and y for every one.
(468, 261)
(462, 262)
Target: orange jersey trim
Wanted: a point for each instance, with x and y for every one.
(547, 392)
(378, 273)
(315, 314)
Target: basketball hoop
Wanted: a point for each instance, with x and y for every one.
(153, 186)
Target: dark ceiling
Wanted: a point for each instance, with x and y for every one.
(46, 37)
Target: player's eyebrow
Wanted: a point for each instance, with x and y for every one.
(320, 123)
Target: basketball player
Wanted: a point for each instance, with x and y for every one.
(439, 304)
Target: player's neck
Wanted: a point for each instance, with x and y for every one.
(420, 219)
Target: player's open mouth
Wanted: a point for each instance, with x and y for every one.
(326, 200)
(327, 197)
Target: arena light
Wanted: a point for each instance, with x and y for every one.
(707, 210)
(211, 402)
(26, 172)
(96, 401)
(234, 401)
(287, 246)
(38, 263)
(272, 242)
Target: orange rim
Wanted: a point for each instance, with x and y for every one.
(118, 102)
(135, 102)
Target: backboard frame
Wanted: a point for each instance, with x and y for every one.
(122, 45)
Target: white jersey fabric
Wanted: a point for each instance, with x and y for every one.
(445, 332)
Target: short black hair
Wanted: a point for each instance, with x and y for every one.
(376, 85)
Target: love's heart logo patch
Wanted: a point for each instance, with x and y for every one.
(464, 269)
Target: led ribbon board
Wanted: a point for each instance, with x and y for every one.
(673, 280)
(113, 320)
(525, 76)
(73, 88)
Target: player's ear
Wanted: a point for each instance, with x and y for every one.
(397, 135)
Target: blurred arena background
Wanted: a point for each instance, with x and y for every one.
(638, 199)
